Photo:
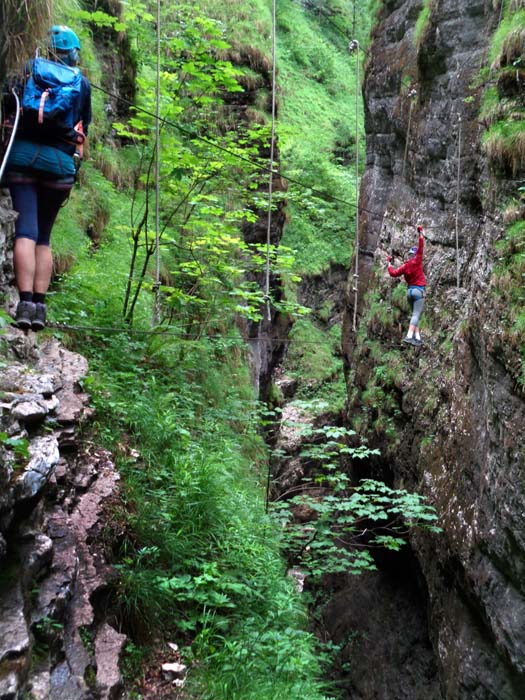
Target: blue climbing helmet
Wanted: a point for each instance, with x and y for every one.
(412, 251)
(64, 42)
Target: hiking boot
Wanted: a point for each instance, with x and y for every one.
(39, 317)
(417, 341)
(408, 340)
(25, 312)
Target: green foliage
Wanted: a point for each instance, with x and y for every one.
(504, 143)
(502, 110)
(5, 321)
(205, 259)
(202, 559)
(20, 446)
(490, 104)
(318, 141)
(423, 21)
(340, 525)
(509, 276)
(313, 354)
(318, 146)
(246, 24)
(503, 114)
(509, 35)
(99, 19)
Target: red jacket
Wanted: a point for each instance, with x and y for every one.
(412, 269)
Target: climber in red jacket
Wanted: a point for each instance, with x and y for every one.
(416, 281)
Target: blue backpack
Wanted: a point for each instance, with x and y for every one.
(51, 93)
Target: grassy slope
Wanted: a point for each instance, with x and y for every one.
(316, 133)
(318, 120)
(503, 115)
(317, 110)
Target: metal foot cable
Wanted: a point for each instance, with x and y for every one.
(156, 286)
(457, 200)
(354, 46)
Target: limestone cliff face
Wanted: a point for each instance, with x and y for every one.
(7, 229)
(450, 419)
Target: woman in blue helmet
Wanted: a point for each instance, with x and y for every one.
(40, 173)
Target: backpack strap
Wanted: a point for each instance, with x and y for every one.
(43, 99)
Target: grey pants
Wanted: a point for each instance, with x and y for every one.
(417, 301)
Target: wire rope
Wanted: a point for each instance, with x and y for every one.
(338, 29)
(457, 199)
(269, 217)
(354, 46)
(412, 95)
(272, 156)
(169, 331)
(156, 286)
(13, 134)
(326, 196)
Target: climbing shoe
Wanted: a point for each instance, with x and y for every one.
(39, 317)
(417, 341)
(25, 312)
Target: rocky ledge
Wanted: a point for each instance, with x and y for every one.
(54, 644)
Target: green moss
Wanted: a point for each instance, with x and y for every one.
(508, 278)
(244, 23)
(501, 108)
(509, 38)
(423, 21)
(313, 359)
(489, 104)
(514, 240)
(504, 143)
(427, 441)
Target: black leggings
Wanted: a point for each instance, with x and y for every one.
(37, 202)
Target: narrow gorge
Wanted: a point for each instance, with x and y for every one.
(150, 544)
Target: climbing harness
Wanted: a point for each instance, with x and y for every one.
(13, 134)
(156, 286)
(412, 96)
(457, 199)
(272, 156)
(354, 46)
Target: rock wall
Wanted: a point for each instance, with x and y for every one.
(7, 232)
(449, 418)
(54, 488)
